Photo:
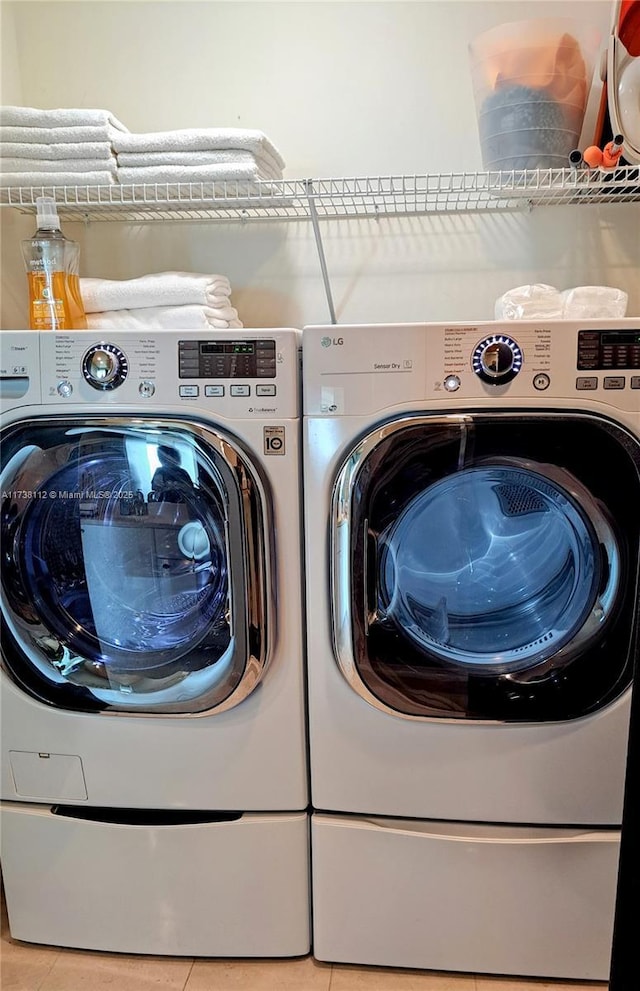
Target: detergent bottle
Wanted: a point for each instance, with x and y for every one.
(52, 263)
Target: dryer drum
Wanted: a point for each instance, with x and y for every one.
(495, 567)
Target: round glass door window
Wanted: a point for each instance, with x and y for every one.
(493, 566)
(125, 578)
(139, 581)
(486, 566)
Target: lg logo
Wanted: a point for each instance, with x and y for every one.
(328, 341)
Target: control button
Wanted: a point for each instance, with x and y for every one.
(214, 390)
(64, 389)
(146, 389)
(587, 382)
(240, 390)
(189, 391)
(265, 390)
(614, 381)
(451, 383)
(635, 381)
(541, 381)
(266, 373)
(265, 345)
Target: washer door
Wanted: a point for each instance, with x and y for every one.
(478, 570)
(135, 572)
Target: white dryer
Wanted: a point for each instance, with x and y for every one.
(154, 774)
(472, 615)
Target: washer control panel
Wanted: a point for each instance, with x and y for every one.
(243, 373)
(224, 359)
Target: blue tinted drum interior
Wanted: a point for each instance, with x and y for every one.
(492, 566)
(142, 578)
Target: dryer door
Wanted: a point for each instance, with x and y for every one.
(486, 567)
(136, 565)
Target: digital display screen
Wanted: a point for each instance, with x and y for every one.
(234, 347)
(227, 359)
(620, 337)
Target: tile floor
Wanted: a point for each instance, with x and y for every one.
(26, 967)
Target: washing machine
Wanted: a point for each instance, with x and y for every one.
(154, 773)
(472, 524)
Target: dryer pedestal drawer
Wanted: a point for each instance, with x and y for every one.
(236, 887)
(451, 896)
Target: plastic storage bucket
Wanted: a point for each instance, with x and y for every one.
(531, 82)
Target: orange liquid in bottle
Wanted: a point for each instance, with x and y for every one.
(55, 302)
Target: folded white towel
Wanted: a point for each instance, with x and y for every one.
(57, 135)
(200, 139)
(191, 317)
(59, 165)
(64, 150)
(101, 178)
(145, 159)
(157, 289)
(185, 173)
(60, 117)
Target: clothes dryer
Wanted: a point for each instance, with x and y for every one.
(154, 778)
(472, 622)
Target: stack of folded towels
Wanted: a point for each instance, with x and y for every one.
(211, 154)
(74, 147)
(164, 300)
(65, 147)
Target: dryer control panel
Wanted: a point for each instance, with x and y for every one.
(600, 350)
(356, 369)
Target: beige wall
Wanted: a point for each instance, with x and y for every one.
(343, 89)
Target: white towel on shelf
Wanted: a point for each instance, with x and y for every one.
(185, 173)
(11, 116)
(57, 135)
(58, 165)
(200, 139)
(189, 317)
(101, 178)
(158, 289)
(146, 159)
(62, 151)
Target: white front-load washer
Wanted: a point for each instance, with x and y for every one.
(154, 773)
(472, 548)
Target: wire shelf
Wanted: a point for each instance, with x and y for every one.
(317, 199)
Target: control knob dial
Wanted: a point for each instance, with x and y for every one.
(497, 359)
(105, 367)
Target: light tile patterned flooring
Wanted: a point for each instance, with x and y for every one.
(25, 967)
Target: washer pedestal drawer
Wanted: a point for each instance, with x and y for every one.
(234, 887)
(453, 896)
